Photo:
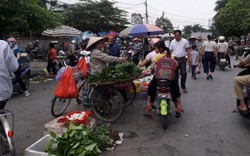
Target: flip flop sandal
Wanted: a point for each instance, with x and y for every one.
(240, 110)
(179, 110)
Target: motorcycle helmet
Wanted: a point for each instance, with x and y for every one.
(73, 41)
(221, 38)
(11, 39)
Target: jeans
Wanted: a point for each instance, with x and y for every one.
(193, 68)
(181, 70)
(19, 79)
(209, 62)
(51, 65)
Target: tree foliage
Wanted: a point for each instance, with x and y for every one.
(188, 29)
(24, 15)
(220, 4)
(234, 18)
(136, 18)
(165, 24)
(96, 16)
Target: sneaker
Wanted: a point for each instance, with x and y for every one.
(230, 66)
(26, 93)
(184, 90)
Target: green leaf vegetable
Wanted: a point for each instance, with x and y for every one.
(121, 72)
(79, 141)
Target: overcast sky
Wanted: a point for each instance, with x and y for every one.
(180, 12)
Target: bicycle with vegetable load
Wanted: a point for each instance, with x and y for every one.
(105, 101)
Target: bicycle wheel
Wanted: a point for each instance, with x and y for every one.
(106, 103)
(59, 106)
(128, 94)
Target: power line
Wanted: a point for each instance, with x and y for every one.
(175, 14)
(127, 3)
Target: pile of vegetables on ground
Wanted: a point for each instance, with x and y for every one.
(121, 71)
(80, 141)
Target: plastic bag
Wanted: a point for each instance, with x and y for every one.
(197, 70)
(60, 73)
(66, 88)
(83, 66)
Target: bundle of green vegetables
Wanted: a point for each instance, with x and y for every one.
(79, 140)
(121, 71)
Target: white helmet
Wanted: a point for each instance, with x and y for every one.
(221, 38)
(61, 52)
(73, 41)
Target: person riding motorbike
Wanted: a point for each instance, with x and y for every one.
(162, 51)
(241, 81)
(17, 52)
(223, 49)
(8, 62)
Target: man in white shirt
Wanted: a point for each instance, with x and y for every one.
(8, 62)
(179, 47)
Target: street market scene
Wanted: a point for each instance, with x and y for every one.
(118, 78)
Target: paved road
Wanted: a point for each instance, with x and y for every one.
(206, 128)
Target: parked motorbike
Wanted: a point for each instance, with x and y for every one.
(222, 62)
(25, 69)
(35, 53)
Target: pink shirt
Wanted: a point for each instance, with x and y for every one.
(151, 56)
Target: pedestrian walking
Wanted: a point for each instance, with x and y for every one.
(209, 52)
(179, 47)
(195, 61)
(51, 61)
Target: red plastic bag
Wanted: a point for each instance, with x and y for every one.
(84, 120)
(66, 88)
(83, 66)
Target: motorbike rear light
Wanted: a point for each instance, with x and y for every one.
(163, 90)
(10, 133)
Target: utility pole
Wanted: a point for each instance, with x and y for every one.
(146, 5)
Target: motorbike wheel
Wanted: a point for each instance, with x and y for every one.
(31, 56)
(164, 119)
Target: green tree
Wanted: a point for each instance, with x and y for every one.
(24, 15)
(96, 16)
(136, 18)
(220, 4)
(234, 18)
(165, 24)
(188, 29)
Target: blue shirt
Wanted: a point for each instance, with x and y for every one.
(114, 50)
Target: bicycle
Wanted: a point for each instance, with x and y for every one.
(7, 147)
(105, 101)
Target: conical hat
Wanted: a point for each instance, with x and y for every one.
(92, 41)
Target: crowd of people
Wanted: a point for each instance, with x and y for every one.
(146, 51)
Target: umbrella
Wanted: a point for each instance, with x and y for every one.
(62, 31)
(167, 35)
(141, 30)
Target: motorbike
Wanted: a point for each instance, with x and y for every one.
(164, 74)
(35, 53)
(222, 62)
(25, 69)
(246, 89)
